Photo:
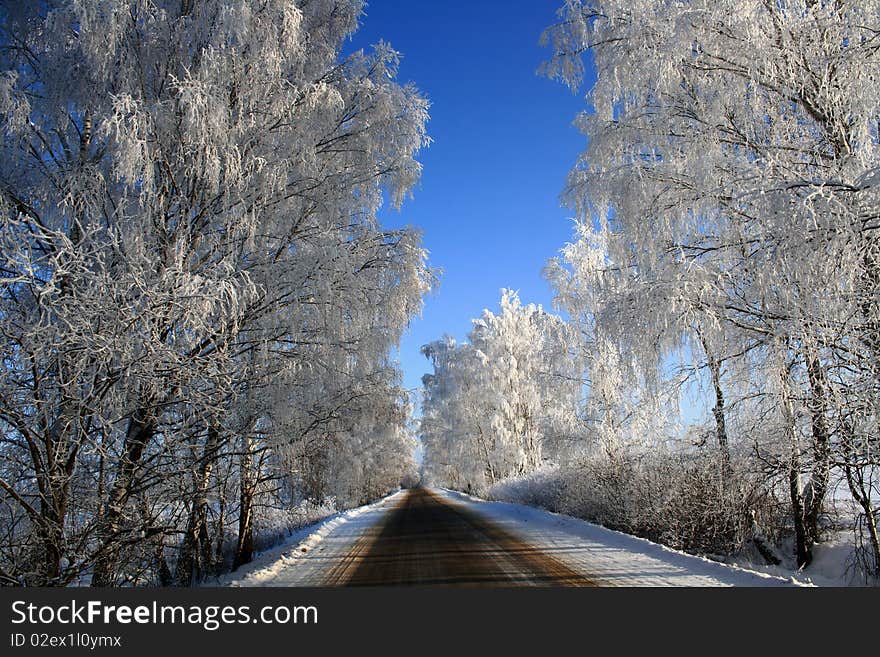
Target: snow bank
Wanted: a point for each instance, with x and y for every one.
(309, 553)
(833, 564)
(608, 557)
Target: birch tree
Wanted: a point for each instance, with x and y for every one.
(732, 164)
(500, 404)
(189, 196)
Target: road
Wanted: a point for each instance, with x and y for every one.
(425, 540)
(438, 537)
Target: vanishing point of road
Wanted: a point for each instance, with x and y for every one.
(425, 540)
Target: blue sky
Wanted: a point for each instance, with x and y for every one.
(488, 203)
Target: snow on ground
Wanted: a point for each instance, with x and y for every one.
(309, 553)
(608, 557)
(833, 563)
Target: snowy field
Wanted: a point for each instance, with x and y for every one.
(605, 556)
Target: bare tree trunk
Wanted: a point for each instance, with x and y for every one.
(854, 469)
(765, 547)
(244, 549)
(718, 410)
(206, 553)
(490, 469)
(196, 530)
(54, 497)
(534, 447)
(64, 436)
(817, 487)
(802, 545)
(220, 532)
(870, 301)
(870, 307)
(163, 572)
(141, 428)
(157, 540)
(862, 496)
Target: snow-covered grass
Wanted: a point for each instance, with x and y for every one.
(308, 553)
(608, 557)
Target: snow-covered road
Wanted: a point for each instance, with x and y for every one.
(604, 557)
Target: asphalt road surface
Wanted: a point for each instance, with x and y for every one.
(430, 542)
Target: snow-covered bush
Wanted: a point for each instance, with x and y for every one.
(542, 488)
(722, 234)
(671, 498)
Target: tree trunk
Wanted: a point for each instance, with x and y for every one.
(854, 470)
(141, 428)
(863, 497)
(157, 540)
(220, 532)
(817, 487)
(53, 471)
(206, 563)
(765, 547)
(196, 530)
(51, 534)
(718, 411)
(490, 469)
(869, 303)
(803, 553)
(63, 437)
(163, 572)
(244, 548)
(54, 495)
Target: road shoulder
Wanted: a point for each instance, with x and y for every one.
(307, 556)
(608, 557)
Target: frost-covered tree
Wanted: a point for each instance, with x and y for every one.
(731, 177)
(188, 194)
(502, 403)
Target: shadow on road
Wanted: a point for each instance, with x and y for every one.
(428, 541)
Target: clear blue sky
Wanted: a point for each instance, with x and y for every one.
(488, 203)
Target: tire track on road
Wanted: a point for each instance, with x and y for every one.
(424, 540)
